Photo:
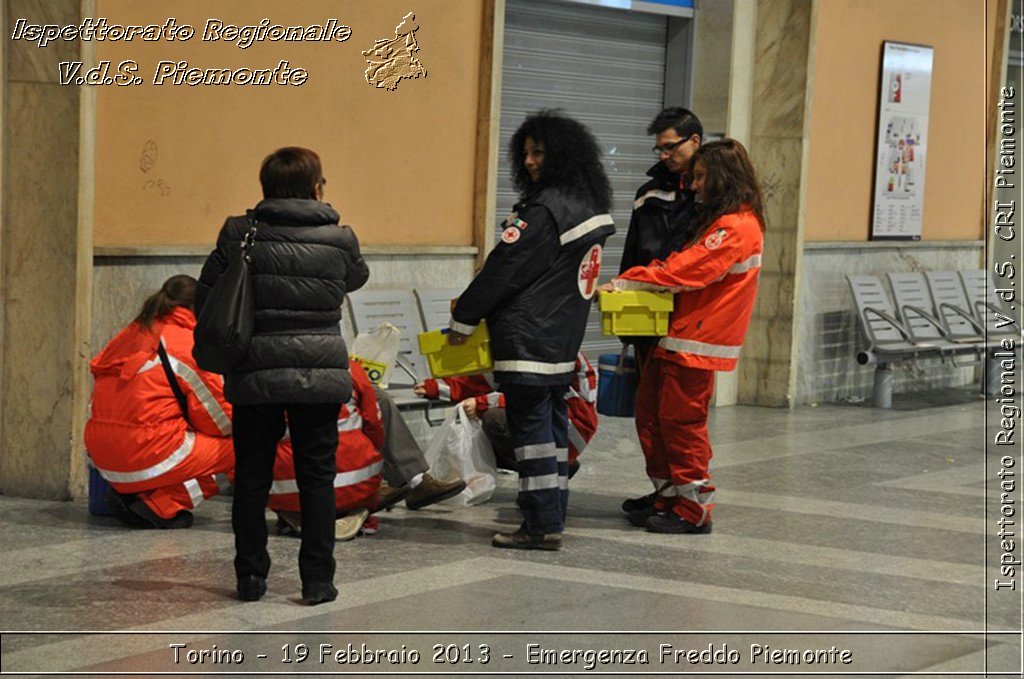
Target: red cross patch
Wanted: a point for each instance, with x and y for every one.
(590, 269)
(510, 235)
(715, 239)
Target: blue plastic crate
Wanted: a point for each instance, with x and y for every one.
(98, 487)
(616, 386)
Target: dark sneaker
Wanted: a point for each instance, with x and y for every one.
(119, 503)
(319, 593)
(289, 523)
(639, 517)
(391, 495)
(574, 467)
(251, 588)
(550, 542)
(431, 490)
(670, 522)
(642, 502)
(151, 519)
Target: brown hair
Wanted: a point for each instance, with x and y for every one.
(291, 172)
(176, 291)
(730, 183)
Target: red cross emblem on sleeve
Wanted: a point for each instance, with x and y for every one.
(590, 269)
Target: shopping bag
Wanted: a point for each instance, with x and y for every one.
(377, 351)
(460, 449)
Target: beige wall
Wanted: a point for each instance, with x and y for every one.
(848, 39)
(400, 164)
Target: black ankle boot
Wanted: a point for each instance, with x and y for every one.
(319, 592)
(251, 588)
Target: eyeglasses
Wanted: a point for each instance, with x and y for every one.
(323, 181)
(668, 149)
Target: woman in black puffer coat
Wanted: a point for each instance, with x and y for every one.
(297, 365)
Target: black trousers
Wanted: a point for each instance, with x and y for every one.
(313, 428)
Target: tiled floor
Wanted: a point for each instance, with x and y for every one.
(832, 523)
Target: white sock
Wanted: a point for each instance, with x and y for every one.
(416, 480)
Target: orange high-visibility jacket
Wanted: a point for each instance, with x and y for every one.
(360, 435)
(715, 281)
(137, 436)
(581, 399)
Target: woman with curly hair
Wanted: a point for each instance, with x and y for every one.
(535, 291)
(714, 279)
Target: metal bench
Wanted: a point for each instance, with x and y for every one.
(397, 307)
(889, 341)
(985, 304)
(435, 305)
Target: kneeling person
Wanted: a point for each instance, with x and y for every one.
(479, 397)
(160, 427)
(358, 465)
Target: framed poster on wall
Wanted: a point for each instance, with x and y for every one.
(902, 141)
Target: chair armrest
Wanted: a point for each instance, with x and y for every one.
(885, 317)
(982, 305)
(957, 311)
(924, 315)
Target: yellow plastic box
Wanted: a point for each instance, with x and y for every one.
(447, 360)
(635, 312)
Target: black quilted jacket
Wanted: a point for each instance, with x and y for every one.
(303, 264)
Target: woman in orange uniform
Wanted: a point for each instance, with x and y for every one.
(163, 450)
(358, 464)
(714, 279)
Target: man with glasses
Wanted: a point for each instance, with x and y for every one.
(663, 217)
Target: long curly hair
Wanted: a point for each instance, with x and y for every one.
(572, 159)
(730, 183)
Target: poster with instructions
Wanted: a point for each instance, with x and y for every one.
(902, 137)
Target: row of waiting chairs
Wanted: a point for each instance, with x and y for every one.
(949, 315)
(412, 313)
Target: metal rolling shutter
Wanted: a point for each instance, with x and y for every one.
(604, 67)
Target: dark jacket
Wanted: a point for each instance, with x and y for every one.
(662, 223)
(662, 219)
(536, 287)
(303, 264)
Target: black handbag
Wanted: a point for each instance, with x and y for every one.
(224, 326)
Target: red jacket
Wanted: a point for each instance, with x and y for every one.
(581, 398)
(360, 435)
(715, 281)
(136, 435)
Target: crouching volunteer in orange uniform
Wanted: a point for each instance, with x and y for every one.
(715, 281)
(535, 290)
(357, 481)
(479, 398)
(162, 451)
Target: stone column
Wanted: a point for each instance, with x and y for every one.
(777, 148)
(45, 263)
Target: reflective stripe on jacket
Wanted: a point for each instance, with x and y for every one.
(536, 288)
(715, 281)
(357, 463)
(581, 398)
(137, 436)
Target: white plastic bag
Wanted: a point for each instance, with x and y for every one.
(460, 449)
(377, 351)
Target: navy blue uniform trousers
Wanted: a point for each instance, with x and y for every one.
(538, 422)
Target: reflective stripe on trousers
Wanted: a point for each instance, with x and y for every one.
(538, 426)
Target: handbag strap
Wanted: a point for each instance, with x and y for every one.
(179, 395)
(250, 238)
